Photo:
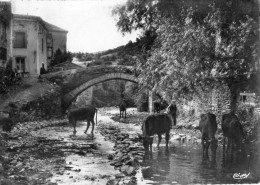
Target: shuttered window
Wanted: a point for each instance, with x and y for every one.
(19, 41)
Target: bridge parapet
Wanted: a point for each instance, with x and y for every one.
(70, 79)
(73, 82)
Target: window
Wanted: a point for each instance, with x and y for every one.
(20, 64)
(19, 41)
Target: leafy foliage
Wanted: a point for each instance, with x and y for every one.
(189, 55)
(195, 43)
(5, 12)
(60, 57)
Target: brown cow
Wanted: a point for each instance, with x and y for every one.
(208, 128)
(80, 114)
(156, 124)
(233, 130)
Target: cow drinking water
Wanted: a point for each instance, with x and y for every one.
(156, 124)
(208, 128)
(233, 130)
(80, 114)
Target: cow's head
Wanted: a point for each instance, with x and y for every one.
(147, 141)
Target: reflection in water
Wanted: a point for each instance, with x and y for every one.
(185, 163)
(159, 165)
(207, 162)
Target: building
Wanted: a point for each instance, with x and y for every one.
(56, 39)
(34, 42)
(5, 32)
(29, 44)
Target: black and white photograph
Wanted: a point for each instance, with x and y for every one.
(129, 92)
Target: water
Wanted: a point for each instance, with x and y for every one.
(183, 163)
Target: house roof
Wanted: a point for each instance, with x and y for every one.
(46, 25)
(30, 17)
(54, 28)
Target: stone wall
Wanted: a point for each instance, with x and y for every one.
(45, 107)
(216, 100)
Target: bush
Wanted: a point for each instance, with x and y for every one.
(108, 63)
(95, 63)
(60, 57)
(245, 112)
(251, 128)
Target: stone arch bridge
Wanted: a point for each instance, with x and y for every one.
(75, 81)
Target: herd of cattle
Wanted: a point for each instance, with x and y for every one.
(161, 123)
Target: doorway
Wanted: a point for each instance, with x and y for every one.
(20, 64)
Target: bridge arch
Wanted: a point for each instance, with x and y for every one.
(68, 98)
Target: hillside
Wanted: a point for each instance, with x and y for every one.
(122, 55)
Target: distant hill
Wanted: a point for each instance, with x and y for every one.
(122, 55)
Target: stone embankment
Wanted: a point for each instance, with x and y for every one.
(128, 152)
(128, 156)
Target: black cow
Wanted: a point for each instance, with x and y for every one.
(156, 124)
(122, 109)
(233, 130)
(208, 128)
(80, 114)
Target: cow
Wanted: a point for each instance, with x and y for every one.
(233, 130)
(122, 109)
(156, 124)
(80, 114)
(208, 128)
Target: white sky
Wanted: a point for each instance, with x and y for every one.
(90, 24)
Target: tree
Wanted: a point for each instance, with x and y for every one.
(5, 12)
(60, 57)
(190, 55)
(193, 44)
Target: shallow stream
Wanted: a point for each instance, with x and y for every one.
(183, 163)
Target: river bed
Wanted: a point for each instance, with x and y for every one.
(53, 155)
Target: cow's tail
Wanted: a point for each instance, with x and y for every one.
(96, 116)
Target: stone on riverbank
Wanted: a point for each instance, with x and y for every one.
(128, 150)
